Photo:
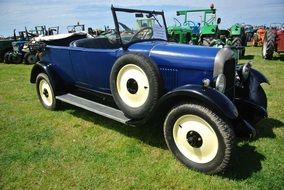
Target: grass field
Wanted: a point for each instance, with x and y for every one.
(75, 149)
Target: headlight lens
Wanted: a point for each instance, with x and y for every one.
(246, 71)
(221, 83)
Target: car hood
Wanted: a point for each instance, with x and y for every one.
(178, 55)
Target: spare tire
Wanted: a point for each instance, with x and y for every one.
(135, 85)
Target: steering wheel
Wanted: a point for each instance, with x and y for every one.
(189, 23)
(144, 32)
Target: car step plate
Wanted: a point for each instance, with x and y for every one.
(95, 107)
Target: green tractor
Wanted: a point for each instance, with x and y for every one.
(238, 38)
(186, 32)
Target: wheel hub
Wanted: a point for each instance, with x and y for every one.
(194, 139)
(132, 86)
(45, 93)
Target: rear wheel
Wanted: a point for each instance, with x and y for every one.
(199, 138)
(16, 58)
(7, 57)
(268, 45)
(30, 58)
(45, 92)
(237, 42)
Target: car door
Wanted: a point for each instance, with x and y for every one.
(92, 67)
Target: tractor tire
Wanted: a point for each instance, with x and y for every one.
(199, 138)
(237, 42)
(135, 85)
(7, 57)
(16, 59)
(268, 46)
(30, 58)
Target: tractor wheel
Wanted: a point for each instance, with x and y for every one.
(268, 45)
(199, 138)
(45, 92)
(135, 85)
(16, 59)
(7, 57)
(30, 58)
(255, 40)
(237, 42)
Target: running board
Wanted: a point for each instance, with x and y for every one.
(95, 107)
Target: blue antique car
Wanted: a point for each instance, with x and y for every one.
(135, 76)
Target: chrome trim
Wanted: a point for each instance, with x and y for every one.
(222, 56)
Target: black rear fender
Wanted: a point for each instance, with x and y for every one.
(43, 67)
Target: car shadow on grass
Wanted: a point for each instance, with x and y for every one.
(247, 160)
(151, 134)
(278, 57)
(247, 57)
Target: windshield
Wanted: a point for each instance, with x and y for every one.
(136, 25)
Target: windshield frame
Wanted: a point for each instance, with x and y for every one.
(116, 23)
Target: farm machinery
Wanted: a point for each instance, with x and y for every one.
(5, 46)
(258, 36)
(273, 41)
(207, 33)
(16, 54)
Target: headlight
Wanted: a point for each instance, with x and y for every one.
(246, 71)
(221, 83)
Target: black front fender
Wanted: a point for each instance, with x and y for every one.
(214, 99)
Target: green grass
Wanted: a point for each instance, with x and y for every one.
(75, 149)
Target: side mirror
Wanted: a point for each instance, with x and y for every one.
(218, 20)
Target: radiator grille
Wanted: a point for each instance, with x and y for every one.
(229, 72)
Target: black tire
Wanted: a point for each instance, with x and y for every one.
(45, 92)
(268, 45)
(135, 95)
(237, 42)
(7, 57)
(16, 58)
(30, 58)
(199, 138)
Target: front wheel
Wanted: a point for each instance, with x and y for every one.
(45, 92)
(199, 138)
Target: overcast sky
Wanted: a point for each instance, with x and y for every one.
(96, 13)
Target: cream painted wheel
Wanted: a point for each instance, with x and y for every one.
(135, 85)
(45, 92)
(132, 85)
(195, 138)
(199, 138)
